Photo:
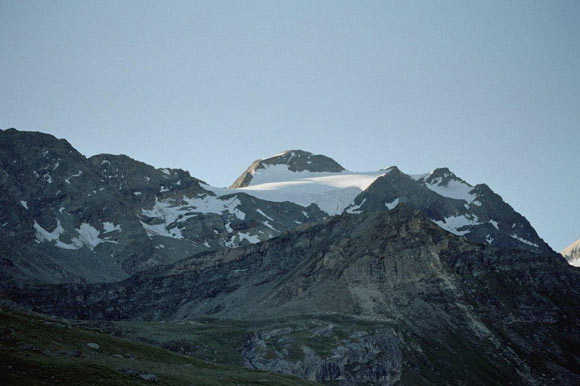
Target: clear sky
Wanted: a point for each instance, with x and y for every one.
(489, 89)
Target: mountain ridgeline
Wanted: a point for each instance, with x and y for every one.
(68, 218)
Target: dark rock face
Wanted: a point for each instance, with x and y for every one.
(66, 218)
(413, 302)
(296, 160)
(474, 212)
(362, 358)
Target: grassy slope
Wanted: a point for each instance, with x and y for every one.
(41, 351)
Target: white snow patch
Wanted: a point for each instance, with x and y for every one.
(24, 204)
(264, 214)
(165, 171)
(495, 224)
(356, 208)
(88, 236)
(161, 230)
(453, 223)
(110, 227)
(454, 189)
(137, 193)
(266, 223)
(513, 235)
(331, 192)
(251, 238)
(235, 240)
(43, 235)
(489, 239)
(393, 204)
(217, 205)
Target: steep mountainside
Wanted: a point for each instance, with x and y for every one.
(67, 218)
(474, 212)
(422, 303)
(572, 253)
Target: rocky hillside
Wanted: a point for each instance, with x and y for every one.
(67, 218)
(38, 350)
(396, 299)
(572, 253)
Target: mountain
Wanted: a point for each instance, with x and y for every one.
(286, 163)
(475, 212)
(572, 253)
(68, 218)
(385, 297)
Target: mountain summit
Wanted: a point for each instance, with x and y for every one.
(572, 253)
(269, 169)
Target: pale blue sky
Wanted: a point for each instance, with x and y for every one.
(489, 89)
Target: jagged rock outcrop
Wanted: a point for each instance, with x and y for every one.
(361, 358)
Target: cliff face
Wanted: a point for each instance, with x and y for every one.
(381, 296)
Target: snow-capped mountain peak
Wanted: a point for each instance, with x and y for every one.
(572, 253)
(445, 183)
(284, 166)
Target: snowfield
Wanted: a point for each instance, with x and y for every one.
(331, 192)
